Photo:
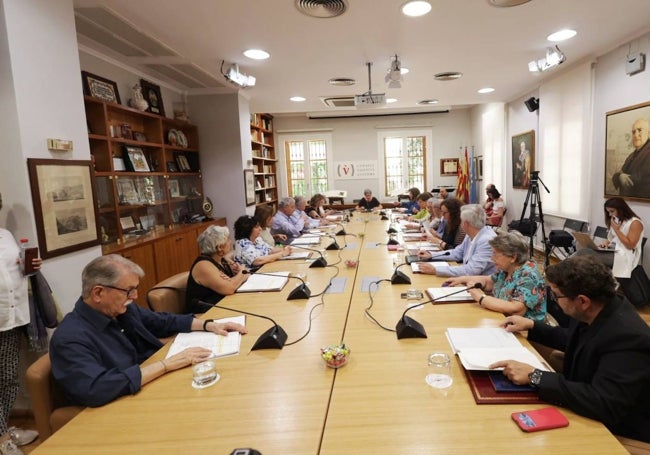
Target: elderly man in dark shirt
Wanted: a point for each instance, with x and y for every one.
(98, 348)
(606, 372)
(634, 177)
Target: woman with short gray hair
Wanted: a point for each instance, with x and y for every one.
(517, 288)
(214, 273)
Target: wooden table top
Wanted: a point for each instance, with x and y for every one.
(288, 402)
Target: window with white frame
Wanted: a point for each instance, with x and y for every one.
(307, 164)
(405, 160)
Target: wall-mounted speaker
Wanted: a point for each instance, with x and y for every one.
(532, 104)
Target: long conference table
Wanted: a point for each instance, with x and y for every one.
(288, 402)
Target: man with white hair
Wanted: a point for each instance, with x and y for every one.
(634, 177)
(284, 222)
(474, 254)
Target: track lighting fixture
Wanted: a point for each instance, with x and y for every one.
(554, 57)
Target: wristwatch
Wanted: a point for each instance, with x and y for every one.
(205, 324)
(535, 377)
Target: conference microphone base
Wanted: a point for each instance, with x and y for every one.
(341, 232)
(384, 218)
(391, 230)
(333, 246)
(320, 262)
(392, 242)
(409, 328)
(300, 292)
(274, 338)
(400, 278)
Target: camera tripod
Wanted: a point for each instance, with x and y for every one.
(530, 226)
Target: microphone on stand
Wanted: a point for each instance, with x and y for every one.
(300, 292)
(320, 262)
(273, 338)
(400, 277)
(410, 328)
(333, 245)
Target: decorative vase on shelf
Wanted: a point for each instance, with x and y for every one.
(138, 100)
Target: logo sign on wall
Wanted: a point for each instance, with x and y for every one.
(356, 169)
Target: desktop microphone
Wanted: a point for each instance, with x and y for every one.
(333, 245)
(391, 230)
(320, 262)
(400, 277)
(341, 231)
(410, 328)
(300, 292)
(273, 338)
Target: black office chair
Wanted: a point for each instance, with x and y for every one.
(562, 241)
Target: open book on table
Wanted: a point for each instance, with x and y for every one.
(477, 348)
(219, 345)
(258, 282)
(440, 295)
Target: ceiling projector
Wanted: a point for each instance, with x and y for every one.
(370, 99)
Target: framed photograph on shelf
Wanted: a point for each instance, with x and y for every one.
(523, 158)
(118, 164)
(174, 188)
(65, 205)
(99, 87)
(627, 173)
(152, 94)
(171, 166)
(127, 192)
(249, 186)
(127, 224)
(183, 164)
(449, 166)
(137, 160)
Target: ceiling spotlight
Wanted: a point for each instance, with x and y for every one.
(297, 99)
(416, 8)
(554, 57)
(257, 54)
(394, 75)
(486, 90)
(237, 77)
(561, 35)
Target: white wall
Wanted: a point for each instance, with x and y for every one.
(489, 140)
(356, 139)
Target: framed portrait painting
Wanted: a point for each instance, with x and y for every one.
(152, 94)
(249, 186)
(65, 206)
(523, 158)
(627, 153)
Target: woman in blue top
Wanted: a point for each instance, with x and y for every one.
(250, 249)
(517, 288)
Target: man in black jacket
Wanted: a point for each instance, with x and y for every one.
(607, 350)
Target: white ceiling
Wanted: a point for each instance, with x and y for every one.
(491, 46)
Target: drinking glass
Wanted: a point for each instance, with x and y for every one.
(439, 371)
(204, 374)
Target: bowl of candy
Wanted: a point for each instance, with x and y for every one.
(351, 263)
(335, 356)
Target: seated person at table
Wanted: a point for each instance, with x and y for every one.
(250, 250)
(606, 348)
(284, 223)
(411, 206)
(518, 287)
(214, 273)
(444, 194)
(264, 215)
(300, 213)
(98, 348)
(495, 213)
(422, 213)
(368, 202)
(474, 254)
(487, 205)
(315, 208)
(452, 233)
(432, 222)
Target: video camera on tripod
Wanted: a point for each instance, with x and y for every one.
(528, 227)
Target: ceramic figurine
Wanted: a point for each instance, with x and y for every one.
(138, 100)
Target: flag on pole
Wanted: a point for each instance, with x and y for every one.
(462, 190)
(473, 195)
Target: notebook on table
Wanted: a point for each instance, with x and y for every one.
(585, 241)
(441, 295)
(267, 282)
(306, 240)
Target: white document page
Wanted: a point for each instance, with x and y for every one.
(219, 345)
(440, 294)
(258, 283)
(307, 240)
(481, 337)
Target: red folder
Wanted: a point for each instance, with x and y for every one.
(484, 393)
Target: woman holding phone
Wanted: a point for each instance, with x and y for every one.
(626, 230)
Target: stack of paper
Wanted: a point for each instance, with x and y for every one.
(219, 345)
(440, 294)
(258, 282)
(301, 255)
(477, 348)
(307, 240)
(439, 266)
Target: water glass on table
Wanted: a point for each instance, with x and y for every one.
(439, 371)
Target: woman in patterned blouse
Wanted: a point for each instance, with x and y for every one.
(250, 249)
(518, 286)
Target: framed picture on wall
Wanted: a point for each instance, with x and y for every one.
(449, 166)
(249, 186)
(478, 164)
(65, 206)
(99, 87)
(627, 152)
(523, 158)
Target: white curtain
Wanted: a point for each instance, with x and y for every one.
(565, 142)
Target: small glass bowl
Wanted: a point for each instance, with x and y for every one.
(335, 356)
(351, 263)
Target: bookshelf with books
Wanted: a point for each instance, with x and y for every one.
(264, 159)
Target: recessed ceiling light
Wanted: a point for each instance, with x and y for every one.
(298, 99)
(342, 81)
(561, 35)
(416, 8)
(507, 3)
(391, 100)
(257, 54)
(486, 90)
(431, 101)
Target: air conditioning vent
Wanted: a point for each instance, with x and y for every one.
(338, 101)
